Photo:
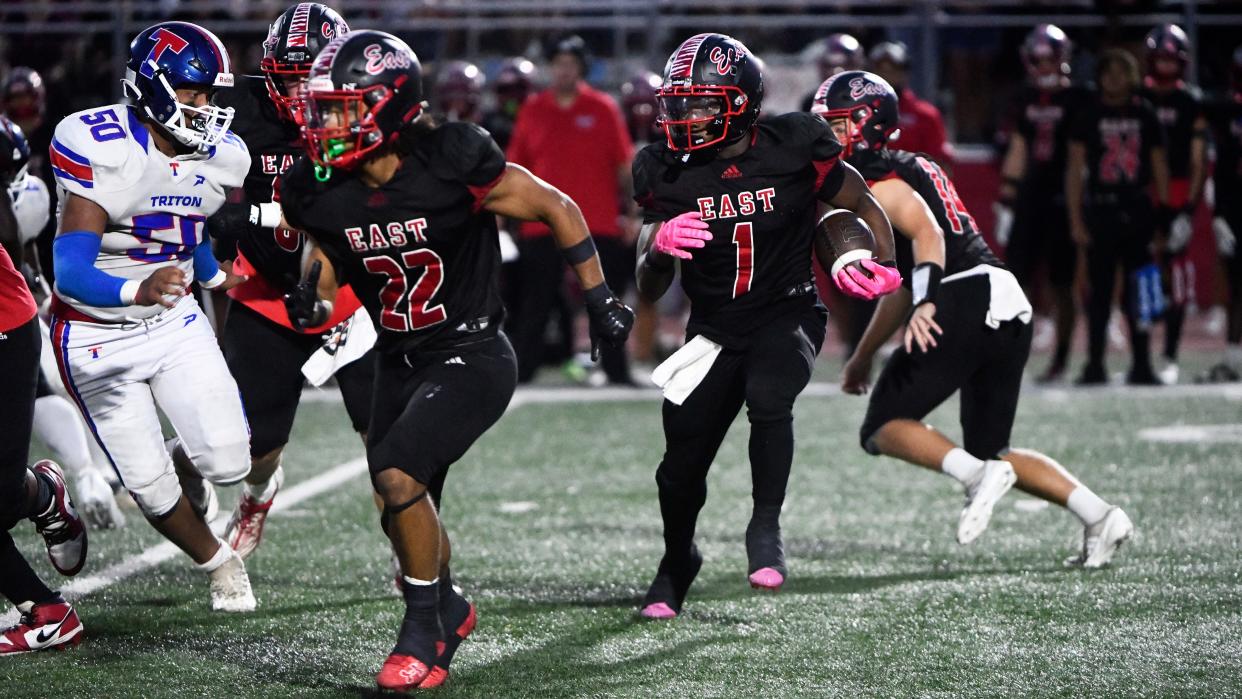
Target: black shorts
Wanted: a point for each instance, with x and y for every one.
(266, 360)
(1040, 238)
(19, 371)
(433, 406)
(985, 364)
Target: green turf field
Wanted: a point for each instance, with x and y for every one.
(556, 534)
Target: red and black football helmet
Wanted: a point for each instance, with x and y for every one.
(1166, 44)
(363, 88)
(24, 97)
(458, 90)
(1046, 56)
(840, 52)
(867, 103)
(711, 94)
(638, 104)
(513, 84)
(292, 43)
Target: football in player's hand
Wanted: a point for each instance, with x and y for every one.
(841, 237)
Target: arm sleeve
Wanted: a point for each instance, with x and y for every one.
(73, 258)
(643, 172)
(206, 270)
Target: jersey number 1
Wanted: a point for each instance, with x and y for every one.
(417, 314)
(743, 238)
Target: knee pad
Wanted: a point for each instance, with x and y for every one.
(389, 511)
(157, 498)
(224, 463)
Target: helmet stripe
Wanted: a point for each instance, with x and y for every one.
(683, 62)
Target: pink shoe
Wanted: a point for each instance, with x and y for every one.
(659, 610)
(767, 579)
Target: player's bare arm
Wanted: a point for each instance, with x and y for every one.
(855, 196)
(911, 216)
(521, 195)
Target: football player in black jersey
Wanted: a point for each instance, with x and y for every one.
(1225, 117)
(1030, 215)
(732, 205)
(1115, 156)
(1179, 107)
(967, 330)
(264, 351)
(405, 210)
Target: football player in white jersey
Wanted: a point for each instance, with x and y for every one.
(56, 422)
(136, 185)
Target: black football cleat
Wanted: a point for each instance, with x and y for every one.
(672, 582)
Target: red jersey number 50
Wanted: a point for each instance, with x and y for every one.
(417, 313)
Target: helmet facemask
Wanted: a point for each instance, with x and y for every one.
(696, 117)
(280, 78)
(854, 120)
(201, 128)
(341, 127)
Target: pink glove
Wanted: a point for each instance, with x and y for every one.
(882, 280)
(679, 233)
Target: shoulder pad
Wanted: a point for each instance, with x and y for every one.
(98, 150)
(464, 152)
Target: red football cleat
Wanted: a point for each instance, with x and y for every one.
(245, 530)
(401, 673)
(62, 529)
(446, 649)
(42, 627)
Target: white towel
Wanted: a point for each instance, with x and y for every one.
(349, 340)
(681, 373)
(1007, 300)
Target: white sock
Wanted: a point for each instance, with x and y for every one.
(59, 425)
(1087, 506)
(421, 583)
(959, 464)
(262, 492)
(223, 554)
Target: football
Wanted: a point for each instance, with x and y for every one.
(841, 237)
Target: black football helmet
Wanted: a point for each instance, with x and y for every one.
(840, 52)
(1046, 56)
(867, 103)
(24, 96)
(638, 105)
(458, 90)
(1167, 41)
(292, 43)
(14, 156)
(711, 94)
(363, 88)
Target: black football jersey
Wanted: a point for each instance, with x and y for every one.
(964, 246)
(760, 207)
(1042, 117)
(419, 252)
(274, 144)
(1177, 110)
(1119, 141)
(1225, 119)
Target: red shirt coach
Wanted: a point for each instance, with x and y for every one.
(578, 149)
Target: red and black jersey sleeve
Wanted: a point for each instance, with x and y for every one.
(467, 154)
(812, 137)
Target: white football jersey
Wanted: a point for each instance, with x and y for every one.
(32, 207)
(157, 206)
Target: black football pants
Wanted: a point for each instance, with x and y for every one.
(1120, 236)
(19, 371)
(767, 377)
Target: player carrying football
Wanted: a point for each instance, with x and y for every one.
(967, 330)
(136, 186)
(733, 203)
(405, 211)
(265, 353)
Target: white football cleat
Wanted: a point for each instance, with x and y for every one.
(1102, 539)
(230, 586)
(96, 501)
(245, 530)
(997, 478)
(1170, 374)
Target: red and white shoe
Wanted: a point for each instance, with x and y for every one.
(42, 627)
(401, 673)
(245, 529)
(445, 650)
(62, 529)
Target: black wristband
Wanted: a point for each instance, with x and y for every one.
(925, 282)
(597, 295)
(579, 252)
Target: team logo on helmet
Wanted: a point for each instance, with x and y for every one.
(724, 59)
(861, 87)
(379, 60)
(164, 41)
(328, 30)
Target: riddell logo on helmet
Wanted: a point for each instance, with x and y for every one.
(379, 60)
(860, 87)
(724, 59)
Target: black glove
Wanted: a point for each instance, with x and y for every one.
(303, 304)
(233, 221)
(610, 320)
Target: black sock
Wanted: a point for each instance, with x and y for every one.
(19, 583)
(43, 497)
(679, 507)
(420, 629)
